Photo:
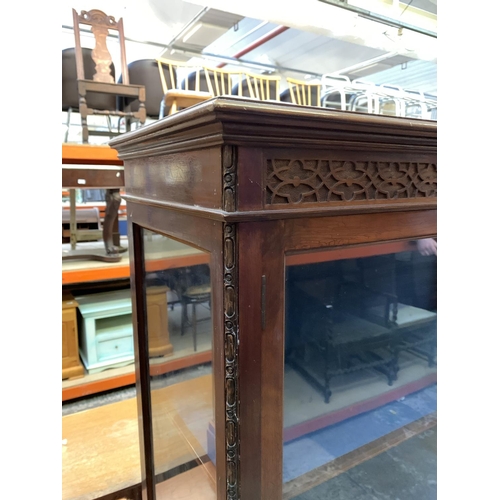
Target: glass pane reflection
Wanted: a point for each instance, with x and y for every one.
(360, 373)
(179, 329)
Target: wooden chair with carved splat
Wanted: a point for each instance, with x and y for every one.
(302, 93)
(103, 81)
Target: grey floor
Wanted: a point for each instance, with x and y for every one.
(406, 472)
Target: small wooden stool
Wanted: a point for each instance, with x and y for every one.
(194, 295)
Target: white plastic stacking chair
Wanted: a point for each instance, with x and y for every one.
(332, 87)
(338, 91)
(367, 98)
(391, 95)
(414, 104)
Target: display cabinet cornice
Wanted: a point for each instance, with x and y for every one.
(259, 187)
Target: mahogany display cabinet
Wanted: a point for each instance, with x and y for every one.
(316, 298)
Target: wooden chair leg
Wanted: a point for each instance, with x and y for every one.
(194, 325)
(68, 124)
(83, 116)
(183, 316)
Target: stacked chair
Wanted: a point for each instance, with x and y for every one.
(339, 92)
(184, 85)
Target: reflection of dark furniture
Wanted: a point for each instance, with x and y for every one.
(88, 225)
(345, 317)
(193, 296)
(192, 286)
(345, 342)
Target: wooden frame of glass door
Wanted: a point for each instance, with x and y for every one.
(262, 329)
(206, 235)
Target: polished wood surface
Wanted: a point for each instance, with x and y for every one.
(291, 161)
(74, 272)
(261, 362)
(100, 450)
(157, 310)
(89, 154)
(206, 235)
(91, 177)
(348, 252)
(342, 230)
(123, 377)
(71, 365)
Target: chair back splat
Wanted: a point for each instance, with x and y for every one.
(103, 80)
(304, 93)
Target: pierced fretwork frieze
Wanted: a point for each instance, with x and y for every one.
(291, 181)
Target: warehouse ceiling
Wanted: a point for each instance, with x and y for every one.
(310, 37)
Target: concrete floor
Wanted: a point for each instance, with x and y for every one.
(406, 472)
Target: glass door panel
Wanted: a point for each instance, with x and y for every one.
(360, 380)
(179, 330)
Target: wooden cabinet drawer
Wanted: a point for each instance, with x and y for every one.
(115, 348)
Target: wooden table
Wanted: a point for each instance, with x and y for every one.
(100, 450)
(86, 167)
(74, 272)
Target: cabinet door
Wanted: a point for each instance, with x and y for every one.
(360, 377)
(182, 408)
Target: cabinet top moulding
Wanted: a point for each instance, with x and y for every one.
(249, 160)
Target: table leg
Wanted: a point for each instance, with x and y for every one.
(72, 218)
(113, 199)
